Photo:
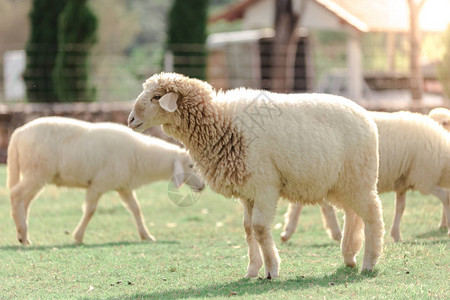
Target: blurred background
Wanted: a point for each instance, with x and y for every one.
(88, 58)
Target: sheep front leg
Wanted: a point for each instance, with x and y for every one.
(254, 254)
(291, 220)
(443, 195)
(129, 198)
(399, 209)
(262, 217)
(89, 207)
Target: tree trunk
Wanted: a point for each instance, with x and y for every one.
(284, 46)
(416, 85)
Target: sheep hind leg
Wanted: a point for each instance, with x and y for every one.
(129, 198)
(254, 253)
(262, 217)
(444, 196)
(400, 201)
(291, 220)
(331, 222)
(21, 196)
(352, 240)
(89, 207)
(370, 212)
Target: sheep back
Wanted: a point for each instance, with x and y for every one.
(308, 145)
(75, 153)
(414, 151)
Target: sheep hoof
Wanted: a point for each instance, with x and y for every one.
(367, 268)
(25, 242)
(285, 237)
(396, 237)
(351, 265)
(252, 272)
(272, 275)
(350, 260)
(147, 237)
(337, 237)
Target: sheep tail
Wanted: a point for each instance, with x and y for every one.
(13, 167)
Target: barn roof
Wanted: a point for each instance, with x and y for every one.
(364, 15)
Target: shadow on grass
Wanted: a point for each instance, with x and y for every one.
(73, 246)
(426, 242)
(292, 244)
(438, 233)
(244, 286)
(325, 245)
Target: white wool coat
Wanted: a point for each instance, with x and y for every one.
(309, 146)
(106, 156)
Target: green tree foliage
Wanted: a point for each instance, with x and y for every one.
(77, 27)
(444, 67)
(62, 32)
(41, 49)
(187, 36)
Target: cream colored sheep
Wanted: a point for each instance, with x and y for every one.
(414, 154)
(98, 157)
(442, 116)
(302, 147)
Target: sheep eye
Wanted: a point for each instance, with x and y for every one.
(191, 166)
(156, 97)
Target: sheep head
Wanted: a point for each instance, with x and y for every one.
(184, 172)
(442, 116)
(162, 98)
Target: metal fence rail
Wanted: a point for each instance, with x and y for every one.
(118, 75)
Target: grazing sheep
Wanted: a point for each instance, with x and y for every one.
(414, 154)
(302, 147)
(442, 116)
(98, 157)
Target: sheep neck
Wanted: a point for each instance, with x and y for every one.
(215, 144)
(161, 166)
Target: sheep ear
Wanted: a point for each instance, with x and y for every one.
(178, 174)
(168, 102)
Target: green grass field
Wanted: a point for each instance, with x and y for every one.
(201, 252)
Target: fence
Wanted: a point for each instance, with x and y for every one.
(116, 76)
(234, 60)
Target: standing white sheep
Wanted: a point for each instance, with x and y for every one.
(414, 154)
(442, 116)
(302, 147)
(96, 156)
